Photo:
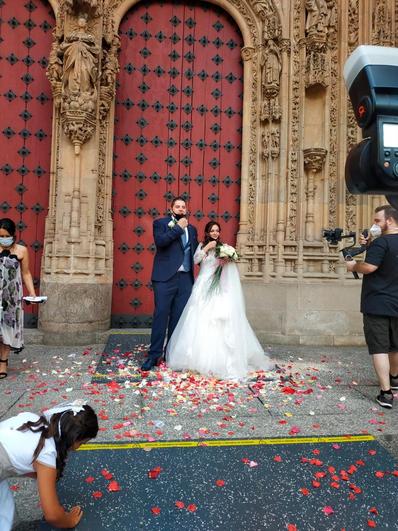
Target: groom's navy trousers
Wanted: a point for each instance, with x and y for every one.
(172, 288)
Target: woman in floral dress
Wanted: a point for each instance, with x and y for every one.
(14, 266)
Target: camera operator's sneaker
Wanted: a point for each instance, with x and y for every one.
(394, 382)
(385, 399)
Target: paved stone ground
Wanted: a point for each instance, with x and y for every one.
(331, 391)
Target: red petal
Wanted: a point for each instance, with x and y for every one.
(371, 523)
(379, 474)
(107, 475)
(304, 491)
(220, 482)
(316, 484)
(191, 508)
(291, 527)
(373, 510)
(278, 458)
(97, 494)
(180, 504)
(114, 486)
(89, 479)
(155, 510)
(372, 452)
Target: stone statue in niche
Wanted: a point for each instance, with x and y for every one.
(80, 60)
(271, 67)
(110, 68)
(317, 17)
(110, 65)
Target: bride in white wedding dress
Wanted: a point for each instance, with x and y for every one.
(213, 335)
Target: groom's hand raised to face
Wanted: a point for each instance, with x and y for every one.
(183, 223)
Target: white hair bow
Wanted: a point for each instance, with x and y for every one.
(76, 406)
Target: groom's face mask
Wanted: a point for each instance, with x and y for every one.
(179, 210)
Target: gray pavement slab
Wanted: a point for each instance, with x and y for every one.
(170, 406)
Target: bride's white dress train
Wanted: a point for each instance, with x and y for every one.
(213, 335)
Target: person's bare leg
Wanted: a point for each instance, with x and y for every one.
(4, 353)
(393, 357)
(381, 364)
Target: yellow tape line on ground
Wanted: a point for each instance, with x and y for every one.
(229, 442)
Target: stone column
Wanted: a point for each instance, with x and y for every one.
(77, 259)
(314, 159)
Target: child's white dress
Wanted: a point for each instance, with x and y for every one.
(213, 335)
(16, 454)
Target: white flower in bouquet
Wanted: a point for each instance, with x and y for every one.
(227, 252)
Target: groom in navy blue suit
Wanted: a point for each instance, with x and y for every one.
(172, 275)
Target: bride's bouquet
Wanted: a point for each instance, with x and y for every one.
(225, 254)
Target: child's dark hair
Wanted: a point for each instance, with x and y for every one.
(208, 228)
(8, 225)
(67, 429)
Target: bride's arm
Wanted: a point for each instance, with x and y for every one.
(199, 254)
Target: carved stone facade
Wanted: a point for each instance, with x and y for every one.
(297, 128)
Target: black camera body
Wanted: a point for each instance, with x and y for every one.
(371, 76)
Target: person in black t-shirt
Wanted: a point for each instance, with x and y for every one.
(379, 300)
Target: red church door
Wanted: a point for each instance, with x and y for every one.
(25, 124)
(178, 130)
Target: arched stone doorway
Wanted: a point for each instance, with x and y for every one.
(178, 131)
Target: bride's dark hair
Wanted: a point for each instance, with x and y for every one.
(208, 228)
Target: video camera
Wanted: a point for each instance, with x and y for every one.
(334, 236)
(371, 77)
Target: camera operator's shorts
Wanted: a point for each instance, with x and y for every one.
(381, 333)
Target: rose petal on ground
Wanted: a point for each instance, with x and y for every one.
(191, 508)
(278, 459)
(328, 510)
(114, 486)
(371, 523)
(180, 504)
(97, 494)
(155, 510)
(89, 479)
(220, 482)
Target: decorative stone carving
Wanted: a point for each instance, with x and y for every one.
(73, 7)
(317, 64)
(110, 68)
(247, 53)
(80, 54)
(351, 124)
(270, 140)
(382, 30)
(316, 23)
(314, 159)
(271, 67)
(55, 71)
(272, 27)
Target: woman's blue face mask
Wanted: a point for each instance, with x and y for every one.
(6, 241)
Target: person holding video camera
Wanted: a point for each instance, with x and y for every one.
(379, 300)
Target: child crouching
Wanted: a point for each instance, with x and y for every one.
(37, 446)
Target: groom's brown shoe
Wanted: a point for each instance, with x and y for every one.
(150, 363)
